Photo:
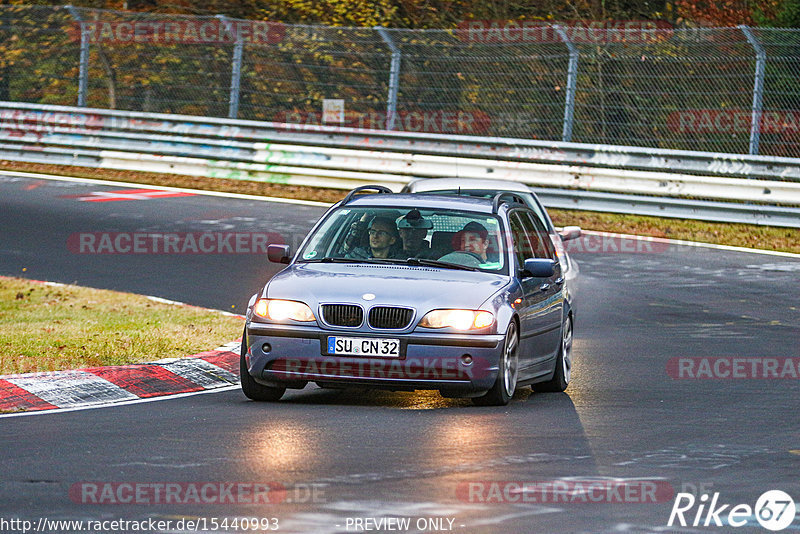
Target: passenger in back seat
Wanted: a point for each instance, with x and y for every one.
(413, 229)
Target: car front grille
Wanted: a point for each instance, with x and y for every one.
(388, 317)
(342, 314)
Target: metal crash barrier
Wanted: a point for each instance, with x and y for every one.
(667, 183)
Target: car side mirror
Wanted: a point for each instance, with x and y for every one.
(539, 268)
(569, 233)
(279, 253)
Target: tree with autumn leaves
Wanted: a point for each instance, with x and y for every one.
(450, 13)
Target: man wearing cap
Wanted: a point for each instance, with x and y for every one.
(413, 228)
(471, 246)
(474, 238)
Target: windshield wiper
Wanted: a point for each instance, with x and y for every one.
(437, 263)
(395, 261)
(334, 260)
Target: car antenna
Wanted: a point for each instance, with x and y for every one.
(459, 190)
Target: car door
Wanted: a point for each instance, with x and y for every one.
(540, 315)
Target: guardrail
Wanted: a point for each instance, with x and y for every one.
(595, 177)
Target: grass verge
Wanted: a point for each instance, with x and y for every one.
(47, 327)
(740, 235)
(737, 235)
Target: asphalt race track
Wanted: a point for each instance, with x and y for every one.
(629, 420)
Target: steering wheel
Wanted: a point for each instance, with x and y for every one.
(460, 257)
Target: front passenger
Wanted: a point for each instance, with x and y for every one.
(382, 239)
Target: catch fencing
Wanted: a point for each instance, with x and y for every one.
(722, 90)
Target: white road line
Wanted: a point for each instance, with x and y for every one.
(693, 244)
(326, 205)
(149, 297)
(164, 188)
(123, 403)
(179, 303)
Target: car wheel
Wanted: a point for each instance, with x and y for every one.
(252, 389)
(508, 372)
(563, 371)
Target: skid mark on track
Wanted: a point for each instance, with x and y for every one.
(401, 474)
(700, 458)
(785, 267)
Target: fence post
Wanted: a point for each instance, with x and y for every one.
(572, 75)
(83, 75)
(758, 88)
(236, 68)
(394, 77)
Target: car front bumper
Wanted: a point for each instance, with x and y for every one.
(291, 356)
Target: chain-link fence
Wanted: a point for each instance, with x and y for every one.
(695, 89)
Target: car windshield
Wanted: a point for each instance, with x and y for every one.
(431, 237)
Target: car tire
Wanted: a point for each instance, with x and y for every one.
(508, 372)
(563, 370)
(252, 389)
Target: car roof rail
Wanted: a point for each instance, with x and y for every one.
(379, 188)
(503, 197)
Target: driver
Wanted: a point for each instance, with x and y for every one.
(382, 238)
(474, 238)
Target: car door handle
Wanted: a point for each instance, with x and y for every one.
(559, 281)
(544, 287)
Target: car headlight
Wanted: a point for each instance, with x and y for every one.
(458, 319)
(280, 310)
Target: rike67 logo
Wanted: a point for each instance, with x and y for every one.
(774, 510)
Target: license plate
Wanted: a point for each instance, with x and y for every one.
(364, 346)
